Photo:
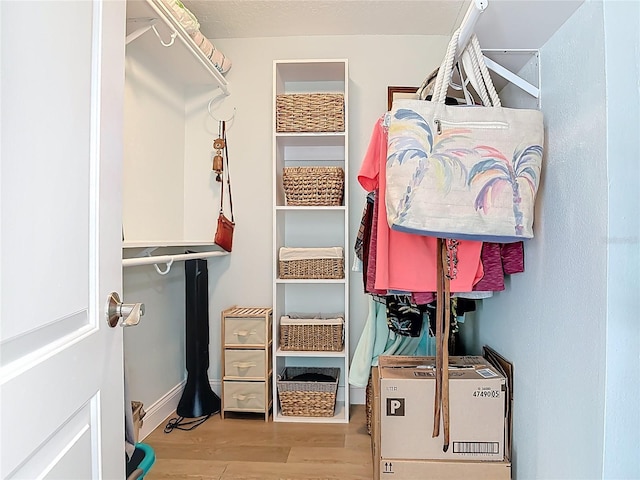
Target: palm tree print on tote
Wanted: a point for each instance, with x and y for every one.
(495, 173)
(411, 137)
(416, 141)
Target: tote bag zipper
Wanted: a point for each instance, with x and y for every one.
(479, 125)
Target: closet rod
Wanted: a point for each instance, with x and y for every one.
(169, 259)
(469, 21)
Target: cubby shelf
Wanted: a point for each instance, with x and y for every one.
(310, 226)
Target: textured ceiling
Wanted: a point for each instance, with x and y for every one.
(267, 18)
(509, 24)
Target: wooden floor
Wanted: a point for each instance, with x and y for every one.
(250, 448)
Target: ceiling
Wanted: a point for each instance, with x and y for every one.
(508, 24)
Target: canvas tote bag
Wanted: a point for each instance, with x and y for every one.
(464, 172)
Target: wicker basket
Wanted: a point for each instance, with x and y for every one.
(310, 112)
(308, 399)
(311, 268)
(369, 404)
(313, 186)
(315, 268)
(312, 334)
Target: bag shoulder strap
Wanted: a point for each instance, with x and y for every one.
(226, 156)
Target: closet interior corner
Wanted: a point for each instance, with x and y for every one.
(169, 192)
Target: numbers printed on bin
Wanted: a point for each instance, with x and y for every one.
(486, 393)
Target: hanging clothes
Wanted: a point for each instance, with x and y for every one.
(404, 261)
(500, 259)
(377, 340)
(363, 238)
(370, 271)
(403, 316)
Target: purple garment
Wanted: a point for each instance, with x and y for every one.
(499, 259)
(373, 249)
(512, 257)
(422, 298)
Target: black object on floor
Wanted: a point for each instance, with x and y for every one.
(198, 400)
(134, 461)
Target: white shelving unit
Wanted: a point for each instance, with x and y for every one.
(304, 226)
(162, 184)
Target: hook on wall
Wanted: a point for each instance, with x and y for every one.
(216, 101)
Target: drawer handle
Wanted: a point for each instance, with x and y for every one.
(244, 364)
(241, 397)
(244, 333)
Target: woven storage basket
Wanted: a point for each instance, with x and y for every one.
(315, 268)
(313, 186)
(308, 399)
(310, 112)
(312, 334)
(369, 403)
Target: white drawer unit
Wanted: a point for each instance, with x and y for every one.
(246, 360)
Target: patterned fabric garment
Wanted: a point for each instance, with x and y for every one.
(361, 247)
(366, 226)
(430, 309)
(404, 317)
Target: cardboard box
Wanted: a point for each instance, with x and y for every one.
(443, 470)
(454, 467)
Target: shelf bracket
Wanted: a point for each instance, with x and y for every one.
(512, 77)
(146, 24)
(143, 24)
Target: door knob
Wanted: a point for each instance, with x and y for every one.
(129, 312)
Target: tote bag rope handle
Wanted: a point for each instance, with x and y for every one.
(446, 71)
(478, 74)
(475, 68)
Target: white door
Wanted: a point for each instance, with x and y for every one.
(61, 381)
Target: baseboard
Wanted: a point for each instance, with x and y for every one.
(358, 396)
(160, 410)
(166, 406)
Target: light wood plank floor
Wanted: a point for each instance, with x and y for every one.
(252, 449)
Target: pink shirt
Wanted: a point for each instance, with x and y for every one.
(405, 261)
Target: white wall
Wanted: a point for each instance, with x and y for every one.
(622, 393)
(375, 62)
(154, 349)
(556, 321)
